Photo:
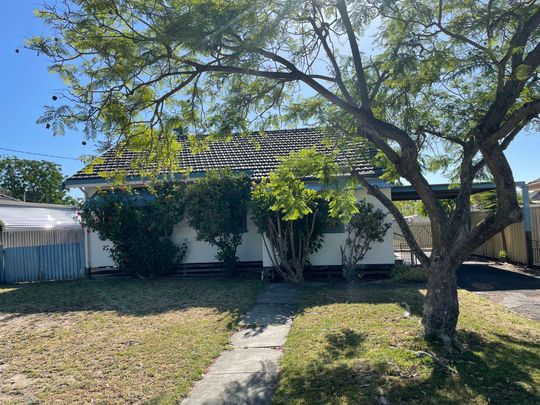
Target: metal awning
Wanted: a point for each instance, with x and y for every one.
(19, 216)
(442, 191)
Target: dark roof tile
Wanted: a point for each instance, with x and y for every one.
(240, 153)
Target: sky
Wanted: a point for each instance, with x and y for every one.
(27, 87)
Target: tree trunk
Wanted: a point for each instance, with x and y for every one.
(441, 307)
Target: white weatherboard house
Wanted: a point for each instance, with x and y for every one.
(256, 155)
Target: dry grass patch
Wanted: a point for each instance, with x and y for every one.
(114, 341)
(354, 345)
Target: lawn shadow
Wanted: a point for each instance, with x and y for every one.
(129, 296)
(409, 295)
(499, 370)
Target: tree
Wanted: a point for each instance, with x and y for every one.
(216, 207)
(449, 84)
(364, 228)
(293, 215)
(36, 181)
(139, 226)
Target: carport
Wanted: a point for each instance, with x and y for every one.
(39, 242)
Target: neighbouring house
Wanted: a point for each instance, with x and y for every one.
(256, 155)
(534, 191)
(39, 242)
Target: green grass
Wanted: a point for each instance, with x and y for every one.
(353, 345)
(114, 341)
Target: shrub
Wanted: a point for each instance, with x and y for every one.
(364, 228)
(408, 274)
(216, 207)
(139, 225)
(293, 215)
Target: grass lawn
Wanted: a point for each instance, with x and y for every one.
(114, 341)
(353, 345)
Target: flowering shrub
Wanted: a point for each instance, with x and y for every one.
(139, 225)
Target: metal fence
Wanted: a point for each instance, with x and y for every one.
(402, 251)
(41, 255)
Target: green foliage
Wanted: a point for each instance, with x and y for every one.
(216, 207)
(139, 226)
(36, 181)
(487, 201)
(408, 274)
(409, 208)
(363, 229)
(434, 73)
(291, 208)
(447, 205)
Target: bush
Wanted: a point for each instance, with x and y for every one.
(364, 228)
(290, 241)
(216, 207)
(139, 225)
(293, 215)
(408, 274)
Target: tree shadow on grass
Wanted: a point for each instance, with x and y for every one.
(128, 296)
(499, 369)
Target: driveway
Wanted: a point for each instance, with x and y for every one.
(517, 291)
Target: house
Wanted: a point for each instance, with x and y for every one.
(534, 191)
(256, 155)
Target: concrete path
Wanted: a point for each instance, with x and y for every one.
(247, 374)
(517, 291)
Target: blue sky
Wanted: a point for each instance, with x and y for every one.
(27, 86)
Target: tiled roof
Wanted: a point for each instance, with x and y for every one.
(256, 154)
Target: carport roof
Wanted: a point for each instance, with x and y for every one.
(16, 215)
(442, 191)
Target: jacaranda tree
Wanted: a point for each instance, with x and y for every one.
(443, 84)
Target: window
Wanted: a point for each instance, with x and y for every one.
(335, 226)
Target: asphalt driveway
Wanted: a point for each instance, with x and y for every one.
(517, 291)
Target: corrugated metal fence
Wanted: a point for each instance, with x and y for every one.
(515, 239)
(41, 255)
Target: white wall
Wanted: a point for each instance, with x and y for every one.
(98, 256)
(203, 252)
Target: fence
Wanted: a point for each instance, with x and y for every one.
(516, 249)
(515, 239)
(40, 255)
(422, 234)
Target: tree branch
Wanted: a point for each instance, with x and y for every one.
(360, 74)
